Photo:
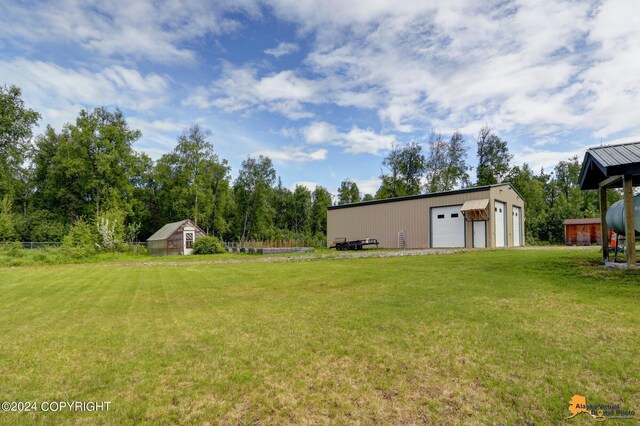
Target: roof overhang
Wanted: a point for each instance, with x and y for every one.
(476, 209)
(604, 167)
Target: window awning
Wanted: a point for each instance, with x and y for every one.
(476, 210)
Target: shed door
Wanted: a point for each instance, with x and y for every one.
(188, 242)
(500, 222)
(517, 226)
(584, 234)
(447, 227)
(479, 234)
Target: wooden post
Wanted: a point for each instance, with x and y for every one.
(604, 229)
(629, 225)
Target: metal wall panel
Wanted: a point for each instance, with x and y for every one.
(384, 221)
(506, 194)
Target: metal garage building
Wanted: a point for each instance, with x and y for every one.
(483, 216)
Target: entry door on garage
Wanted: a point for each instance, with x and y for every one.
(517, 226)
(500, 222)
(479, 234)
(447, 227)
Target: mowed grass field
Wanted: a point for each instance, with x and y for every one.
(486, 337)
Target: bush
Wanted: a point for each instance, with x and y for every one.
(80, 241)
(7, 222)
(208, 245)
(111, 230)
(40, 225)
(12, 249)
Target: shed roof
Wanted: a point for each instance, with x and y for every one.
(167, 230)
(475, 205)
(586, 221)
(605, 162)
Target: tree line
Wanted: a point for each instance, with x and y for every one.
(550, 197)
(88, 172)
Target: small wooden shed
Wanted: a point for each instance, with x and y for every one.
(583, 231)
(175, 238)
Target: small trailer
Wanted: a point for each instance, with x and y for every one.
(341, 243)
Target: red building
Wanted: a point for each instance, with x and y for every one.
(583, 231)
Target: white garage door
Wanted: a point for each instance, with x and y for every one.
(517, 226)
(447, 227)
(501, 228)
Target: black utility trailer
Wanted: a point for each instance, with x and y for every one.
(342, 243)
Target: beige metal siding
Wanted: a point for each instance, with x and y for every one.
(384, 221)
(508, 195)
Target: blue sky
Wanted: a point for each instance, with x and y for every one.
(325, 88)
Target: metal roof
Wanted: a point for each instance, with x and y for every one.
(167, 230)
(609, 161)
(586, 221)
(615, 155)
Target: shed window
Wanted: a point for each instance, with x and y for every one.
(189, 240)
(440, 216)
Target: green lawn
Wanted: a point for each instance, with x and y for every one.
(485, 337)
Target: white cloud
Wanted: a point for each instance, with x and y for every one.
(618, 141)
(538, 158)
(311, 186)
(368, 186)
(320, 132)
(361, 141)
(610, 87)
(288, 132)
(59, 93)
(158, 136)
(294, 154)
(242, 89)
(356, 141)
(452, 63)
(544, 68)
(155, 30)
(444, 64)
(282, 49)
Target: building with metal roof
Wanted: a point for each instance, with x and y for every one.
(614, 166)
(609, 163)
(583, 231)
(175, 238)
(484, 216)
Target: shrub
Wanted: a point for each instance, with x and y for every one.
(40, 225)
(111, 230)
(80, 241)
(12, 249)
(7, 223)
(208, 245)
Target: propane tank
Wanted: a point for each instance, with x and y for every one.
(615, 216)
